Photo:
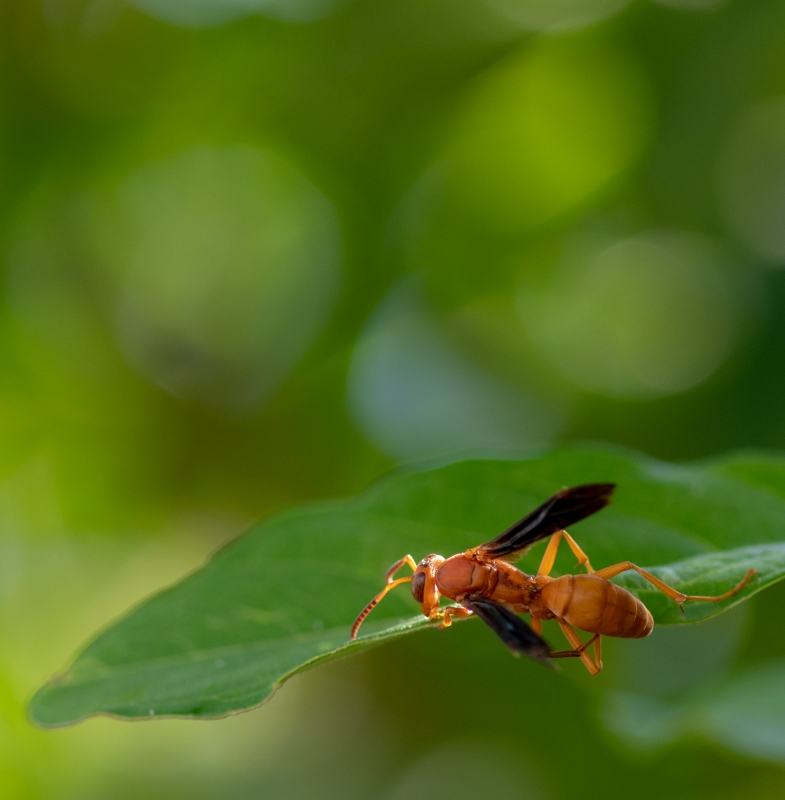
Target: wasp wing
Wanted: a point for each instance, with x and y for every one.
(564, 508)
(511, 629)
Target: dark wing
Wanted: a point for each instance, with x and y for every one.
(511, 629)
(564, 508)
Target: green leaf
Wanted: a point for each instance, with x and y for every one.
(281, 598)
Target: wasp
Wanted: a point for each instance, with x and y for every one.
(483, 582)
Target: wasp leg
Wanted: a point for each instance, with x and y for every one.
(595, 640)
(431, 596)
(679, 597)
(594, 665)
(597, 650)
(536, 625)
(407, 559)
(548, 559)
(453, 611)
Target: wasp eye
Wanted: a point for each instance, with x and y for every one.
(418, 586)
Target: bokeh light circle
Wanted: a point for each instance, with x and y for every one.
(544, 131)
(556, 15)
(415, 395)
(217, 266)
(208, 13)
(459, 770)
(227, 261)
(692, 5)
(646, 316)
(751, 175)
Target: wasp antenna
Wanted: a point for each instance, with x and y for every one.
(367, 610)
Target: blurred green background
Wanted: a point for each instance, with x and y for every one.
(258, 252)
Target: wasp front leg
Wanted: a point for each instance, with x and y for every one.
(425, 588)
(390, 574)
(453, 611)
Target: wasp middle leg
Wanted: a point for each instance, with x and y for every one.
(548, 559)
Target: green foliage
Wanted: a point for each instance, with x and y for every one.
(281, 598)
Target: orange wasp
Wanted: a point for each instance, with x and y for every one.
(484, 583)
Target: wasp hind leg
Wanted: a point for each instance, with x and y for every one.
(679, 597)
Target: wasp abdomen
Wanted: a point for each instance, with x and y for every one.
(597, 606)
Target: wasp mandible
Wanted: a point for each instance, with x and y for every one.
(484, 582)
